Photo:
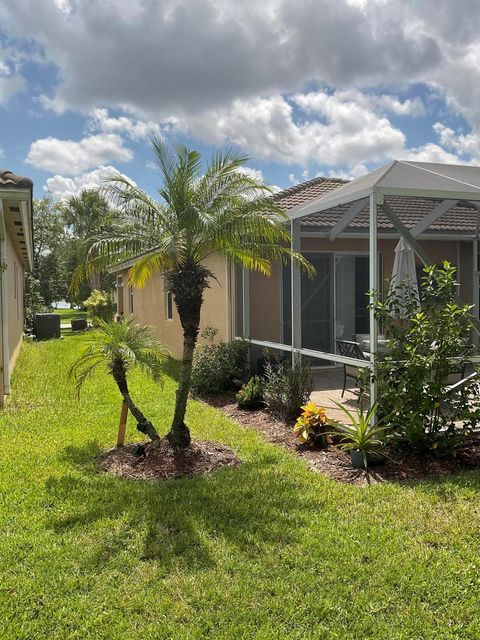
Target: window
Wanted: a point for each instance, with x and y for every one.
(130, 299)
(169, 305)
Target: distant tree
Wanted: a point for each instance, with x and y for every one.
(48, 242)
(85, 216)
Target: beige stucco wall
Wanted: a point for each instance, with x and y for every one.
(149, 306)
(15, 282)
(266, 292)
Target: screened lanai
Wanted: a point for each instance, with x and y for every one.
(349, 231)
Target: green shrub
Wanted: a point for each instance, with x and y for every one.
(100, 306)
(219, 366)
(360, 433)
(250, 395)
(424, 349)
(287, 388)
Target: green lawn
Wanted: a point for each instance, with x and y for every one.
(69, 314)
(269, 550)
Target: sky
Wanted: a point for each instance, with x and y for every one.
(303, 87)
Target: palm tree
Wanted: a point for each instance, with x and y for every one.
(118, 347)
(86, 215)
(223, 210)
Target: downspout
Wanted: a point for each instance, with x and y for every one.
(4, 303)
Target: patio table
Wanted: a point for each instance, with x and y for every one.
(364, 341)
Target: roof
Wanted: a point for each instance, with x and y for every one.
(306, 191)
(9, 180)
(420, 179)
(320, 195)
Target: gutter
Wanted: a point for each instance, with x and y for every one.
(4, 304)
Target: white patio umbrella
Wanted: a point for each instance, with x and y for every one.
(404, 272)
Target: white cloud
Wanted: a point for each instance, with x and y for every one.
(135, 129)
(71, 158)
(343, 132)
(464, 144)
(256, 174)
(430, 152)
(320, 102)
(351, 173)
(61, 187)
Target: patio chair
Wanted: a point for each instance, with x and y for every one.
(351, 349)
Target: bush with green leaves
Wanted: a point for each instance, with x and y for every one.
(360, 433)
(219, 366)
(425, 349)
(250, 395)
(287, 387)
(100, 306)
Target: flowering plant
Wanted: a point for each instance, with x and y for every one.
(311, 426)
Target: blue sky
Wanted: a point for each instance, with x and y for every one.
(315, 87)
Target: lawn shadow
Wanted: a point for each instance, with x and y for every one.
(255, 508)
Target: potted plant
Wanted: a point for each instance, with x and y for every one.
(362, 438)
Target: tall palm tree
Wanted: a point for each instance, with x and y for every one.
(222, 210)
(118, 347)
(86, 215)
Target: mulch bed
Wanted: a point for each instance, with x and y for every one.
(336, 464)
(161, 461)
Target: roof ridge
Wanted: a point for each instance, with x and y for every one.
(301, 186)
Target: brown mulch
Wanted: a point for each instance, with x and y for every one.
(396, 465)
(161, 461)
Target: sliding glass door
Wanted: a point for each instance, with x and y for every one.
(317, 306)
(334, 304)
(351, 299)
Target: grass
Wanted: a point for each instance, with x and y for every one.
(68, 314)
(267, 551)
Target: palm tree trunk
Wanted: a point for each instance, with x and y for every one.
(179, 434)
(143, 425)
(187, 285)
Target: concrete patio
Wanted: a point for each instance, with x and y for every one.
(328, 385)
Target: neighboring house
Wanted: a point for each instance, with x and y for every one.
(16, 256)
(334, 304)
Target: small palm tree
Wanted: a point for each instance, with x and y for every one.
(119, 347)
(221, 210)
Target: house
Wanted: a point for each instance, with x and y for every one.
(16, 257)
(434, 205)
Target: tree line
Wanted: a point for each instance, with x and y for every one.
(63, 235)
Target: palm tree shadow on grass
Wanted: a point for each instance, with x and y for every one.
(255, 508)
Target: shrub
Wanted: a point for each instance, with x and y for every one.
(219, 366)
(361, 435)
(312, 424)
(287, 388)
(250, 395)
(424, 349)
(100, 306)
